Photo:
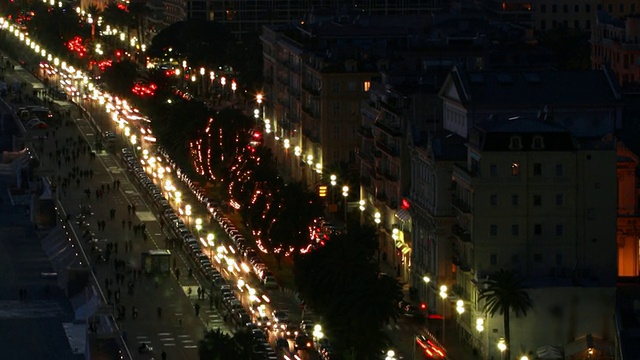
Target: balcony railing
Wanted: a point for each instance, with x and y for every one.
(460, 233)
(461, 205)
(386, 149)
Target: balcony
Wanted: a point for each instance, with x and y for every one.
(390, 177)
(391, 108)
(310, 111)
(460, 205)
(368, 109)
(366, 158)
(390, 130)
(312, 136)
(460, 233)
(461, 175)
(365, 133)
(315, 91)
(386, 149)
(461, 263)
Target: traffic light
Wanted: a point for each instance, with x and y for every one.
(423, 306)
(322, 191)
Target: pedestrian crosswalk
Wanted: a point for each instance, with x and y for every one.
(169, 339)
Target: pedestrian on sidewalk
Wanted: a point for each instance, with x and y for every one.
(197, 308)
(159, 311)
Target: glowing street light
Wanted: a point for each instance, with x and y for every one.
(502, 346)
(443, 295)
(187, 211)
(198, 225)
(345, 193)
(210, 244)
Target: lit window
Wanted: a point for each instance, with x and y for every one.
(515, 169)
(367, 85)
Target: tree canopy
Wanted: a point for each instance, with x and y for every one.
(342, 283)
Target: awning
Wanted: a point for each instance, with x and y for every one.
(403, 215)
(549, 352)
(587, 342)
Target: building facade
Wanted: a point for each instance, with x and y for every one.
(616, 43)
(628, 214)
(315, 79)
(559, 234)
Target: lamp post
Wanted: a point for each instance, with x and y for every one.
(345, 193)
(210, 238)
(260, 108)
(198, 226)
(187, 211)
(391, 355)
(443, 295)
(377, 219)
(502, 346)
(460, 310)
(202, 72)
(317, 333)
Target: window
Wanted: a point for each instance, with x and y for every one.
(493, 259)
(537, 200)
(576, 8)
(336, 132)
(515, 230)
(621, 7)
(537, 257)
(543, 25)
(537, 229)
(543, 8)
(559, 199)
(336, 86)
(515, 143)
(538, 143)
(554, 8)
(633, 8)
(493, 199)
(493, 170)
(335, 108)
(537, 169)
(559, 170)
(515, 169)
(366, 85)
(515, 258)
(610, 8)
(565, 8)
(493, 230)
(515, 199)
(587, 8)
(576, 24)
(351, 86)
(559, 259)
(559, 230)
(587, 24)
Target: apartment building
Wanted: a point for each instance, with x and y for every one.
(534, 198)
(615, 42)
(315, 79)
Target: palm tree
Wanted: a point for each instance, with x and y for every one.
(504, 292)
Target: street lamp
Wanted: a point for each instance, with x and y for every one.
(443, 295)
(210, 238)
(187, 211)
(460, 310)
(333, 183)
(317, 332)
(502, 346)
(345, 193)
(198, 225)
(391, 355)
(202, 72)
